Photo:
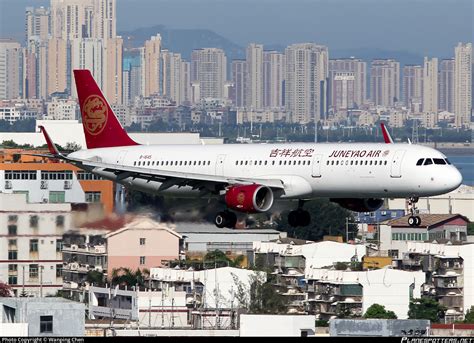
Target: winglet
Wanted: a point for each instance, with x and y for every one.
(386, 136)
(51, 146)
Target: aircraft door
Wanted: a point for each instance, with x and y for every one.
(316, 171)
(220, 164)
(121, 157)
(396, 166)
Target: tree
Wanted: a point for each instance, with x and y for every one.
(426, 308)
(327, 219)
(469, 317)
(379, 311)
(96, 278)
(470, 228)
(5, 290)
(126, 277)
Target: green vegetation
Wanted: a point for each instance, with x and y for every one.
(127, 277)
(96, 278)
(470, 228)
(426, 308)
(469, 317)
(379, 311)
(327, 219)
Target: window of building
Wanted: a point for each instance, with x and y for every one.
(46, 324)
(59, 270)
(59, 245)
(142, 260)
(83, 175)
(13, 254)
(57, 197)
(93, 196)
(142, 241)
(34, 221)
(60, 221)
(12, 230)
(12, 280)
(33, 271)
(12, 268)
(56, 175)
(12, 243)
(13, 218)
(33, 245)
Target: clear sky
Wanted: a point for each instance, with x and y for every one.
(425, 27)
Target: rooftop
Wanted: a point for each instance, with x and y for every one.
(427, 220)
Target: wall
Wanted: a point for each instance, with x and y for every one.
(275, 325)
(378, 327)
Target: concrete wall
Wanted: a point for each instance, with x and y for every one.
(378, 327)
(276, 325)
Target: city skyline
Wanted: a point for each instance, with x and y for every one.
(373, 24)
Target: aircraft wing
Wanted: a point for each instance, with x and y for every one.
(172, 178)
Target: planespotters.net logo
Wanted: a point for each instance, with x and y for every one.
(94, 114)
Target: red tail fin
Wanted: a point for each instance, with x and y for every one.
(101, 126)
(386, 136)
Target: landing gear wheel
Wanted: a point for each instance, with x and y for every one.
(412, 221)
(417, 221)
(231, 220)
(299, 218)
(220, 220)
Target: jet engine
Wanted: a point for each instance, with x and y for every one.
(249, 198)
(359, 205)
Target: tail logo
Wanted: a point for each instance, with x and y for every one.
(94, 114)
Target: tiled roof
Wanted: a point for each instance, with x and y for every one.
(427, 220)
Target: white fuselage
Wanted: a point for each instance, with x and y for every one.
(352, 170)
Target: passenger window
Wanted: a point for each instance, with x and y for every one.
(265, 162)
(366, 162)
(428, 161)
(332, 162)
(375, 162)
(246, 162)
(352, 162)
(135, 163)
(370, 162)
(273, 162)
(439, 161)
(236, 163)
(327, 163)
(280, 163)
(385, 163)
(294, 163)
(420, 162)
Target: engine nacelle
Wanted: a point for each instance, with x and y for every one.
(359, 205)
(249, 198)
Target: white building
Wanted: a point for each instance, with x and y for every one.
(273, 79)
(209, 71)
(412, 86)
(463, 84)
(388, 287)
(255, 76)
(430, 86)
(385, 82)
(61, 109)
(10, 52)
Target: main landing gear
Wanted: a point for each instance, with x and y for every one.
(299, 217)
(225, 219)
(413, 220)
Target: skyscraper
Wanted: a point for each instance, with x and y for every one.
(273, 79)
(463, 84)
(430, 85)
(57, 65)
(171, 75)
(37, 23)
(88, 53)
(208, 71)
(342, 93)
(239, 79)
(151, 66)
(446, 85)
(10, 54)
(255, 76)
(305, 83)
(412, 85)
(349, 65)
(385, 82)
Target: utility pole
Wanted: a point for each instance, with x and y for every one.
(41, 280)
(347, 230)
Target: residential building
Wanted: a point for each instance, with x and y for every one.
(306, 82)
(111, 303)
(45, 317)
(356, 67)
(342, 91)
(446, 85)
(273, 79)
(269, 115)
(142, 243)
(463, 84)
(239, 79)
(385, 82)
(10, 69)
(150, 76)
(61, 109)
(412, 86)
(37, 23)
(430, 87)
(57, 66)
(255, 76)
(209, 71)
(171, 67)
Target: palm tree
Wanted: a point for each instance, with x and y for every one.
(126, 277)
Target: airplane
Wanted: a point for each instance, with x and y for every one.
(249, 178)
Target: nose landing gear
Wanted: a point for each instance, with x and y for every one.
(299, 217)
(413, 220)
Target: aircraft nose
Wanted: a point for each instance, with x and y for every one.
(455, 179)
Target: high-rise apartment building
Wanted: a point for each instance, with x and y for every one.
(151, 66)
(342, 91)
(385, 82)
(209, 71)
(37, 23)
(113, 69)
(412, 85)
(239, 80)
(305, 83)
(273, 79)
(359, 70)
(185, 82)
(57, 65)
(255, 76)
(171, 76)
(71, 19)
(10, 72)
(104, 24)
(430, 85)
(446, 85)
(88, 53)
(463, 84)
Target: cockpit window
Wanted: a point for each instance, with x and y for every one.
(420, 162)
(447, 161)
(428, 161)
(439, 161)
